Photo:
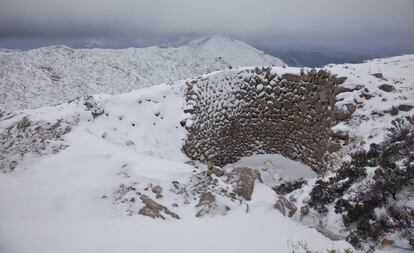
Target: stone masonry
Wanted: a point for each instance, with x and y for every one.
(237, 113)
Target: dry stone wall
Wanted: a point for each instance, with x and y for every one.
(237, 113)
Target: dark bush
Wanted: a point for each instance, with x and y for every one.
(392, 169)
(290, 186)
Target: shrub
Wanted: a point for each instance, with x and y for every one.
(392, 163)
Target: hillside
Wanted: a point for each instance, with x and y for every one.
(92, 169)
(56, 74)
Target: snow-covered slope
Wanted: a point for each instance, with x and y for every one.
(86, 198)
(56, 74)
(81, 188)
(382, 89)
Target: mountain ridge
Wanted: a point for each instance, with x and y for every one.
(55, 74)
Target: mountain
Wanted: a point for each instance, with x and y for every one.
(108, 172)
(52, 75)
(316, 58)
(310, 59)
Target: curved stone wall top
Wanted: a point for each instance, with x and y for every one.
(235, 113)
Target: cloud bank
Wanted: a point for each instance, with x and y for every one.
(329, 21)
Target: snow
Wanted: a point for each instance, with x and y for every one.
(63, 202)
(366, 123)
(69, 201)
(57, 74)
(275, 168)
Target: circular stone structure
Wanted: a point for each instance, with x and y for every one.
(236, 113)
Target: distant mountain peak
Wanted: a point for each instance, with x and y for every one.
(215, 40)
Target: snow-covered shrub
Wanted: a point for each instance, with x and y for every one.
(94, 106)
(289, 186)
(366, 191)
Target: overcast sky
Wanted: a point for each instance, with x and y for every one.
(338, 24)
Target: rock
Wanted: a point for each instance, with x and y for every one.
(366, 95)
(341, 89)
(393, 111)
(339, 134)
(289, 186)
(291, 77)
(344, 111)
(276, 90)
(208, 205)
(332, 147)
(157, 189)
(213, 170)
(130, 143)
(258, 70)
(304, 210)
(386, 87)
(155, 210)
(253, 82)
(243, 181)
(387, 242)
(283, 203)
(405, 107)
(340, 80)
(281, 207)
(190, 162)
(188, 110)
(411, 242)
(23, 124)
(378, 75)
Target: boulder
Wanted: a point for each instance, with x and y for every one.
(283, 203)
(405, 107)
(208, 205)
(386, 87)
(243, 181)
(155, 210)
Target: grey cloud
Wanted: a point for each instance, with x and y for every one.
(328, 21)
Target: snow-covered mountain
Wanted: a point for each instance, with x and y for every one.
(83, 176)
(56, 74)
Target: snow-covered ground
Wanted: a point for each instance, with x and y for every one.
(376, 107)
(86, 197)
(56, 74)
(65, 202)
